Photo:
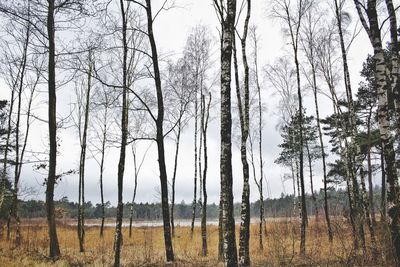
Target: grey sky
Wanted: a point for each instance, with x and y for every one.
(171, 29)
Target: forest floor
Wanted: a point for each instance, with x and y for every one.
(146, 246)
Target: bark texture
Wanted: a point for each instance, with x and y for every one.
(227, 17)
(393, 196)
(244, 108)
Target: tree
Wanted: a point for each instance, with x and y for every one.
(352, 145)
(366, 107)
(137, 166)
(124, 40)
(102, 104)
(259, 183)
(181, 94)
(226, 12)
(205, 115)
(159, 122)
(16, 58)
(244, 108)
(374, 33)
(124, 132)
(3, 124)
(51, 180)
(197, 54)
(83, 95)
(339, 125)
(284, 11)
(309, 43)
(44, 24)
(282, 77)
(394, 48)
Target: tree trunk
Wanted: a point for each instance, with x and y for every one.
(18, 159)
(353, 147)
(178, 137)
(6, 148)
(81, 207)
(199, 160)
(370, 225)
(21, 159)
(369, 162)
(204, 122)
(124, 136)
(54, 251)
(228, 221)
(344, 155)
(263, 225)
(384, 128)
(220, 232)
(311, 181)
(160, 137)
(136, 173)
(395, 49)
(259, 183)
(294, 179)
(304, 219)
(195, 165)
(244, 254)
(294, 34)
(321, 142)
(383, 188)
(103, 151)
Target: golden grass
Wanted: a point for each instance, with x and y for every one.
(146, 247)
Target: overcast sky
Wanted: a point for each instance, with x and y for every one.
(171, 29)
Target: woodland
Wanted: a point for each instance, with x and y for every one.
(102, 70)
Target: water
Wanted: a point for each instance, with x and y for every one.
(178, 222)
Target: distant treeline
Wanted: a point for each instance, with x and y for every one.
(278, 207)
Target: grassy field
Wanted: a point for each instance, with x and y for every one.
(145, 248)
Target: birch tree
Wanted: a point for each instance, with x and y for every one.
(182, 92)
(83, 105)
(205, 116)
(372, 28)
(226, 12)
(102, 103)
(259, 182)
(243, 103)
(44, 21)
(17, 60)
(197, 53)
(292, 17)
(309, 44)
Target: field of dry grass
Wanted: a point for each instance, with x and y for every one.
(145, 248)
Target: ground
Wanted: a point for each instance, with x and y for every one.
(145, 247)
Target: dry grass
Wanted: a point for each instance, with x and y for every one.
(145, 248)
